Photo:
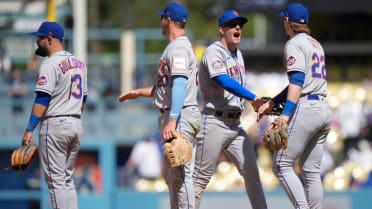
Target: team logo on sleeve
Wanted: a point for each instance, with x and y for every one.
(179, 63)
(217, 64)
(291, 60)
(42, 80)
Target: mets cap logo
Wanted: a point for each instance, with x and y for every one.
(235, 13)
(291, 60)
(42, 80)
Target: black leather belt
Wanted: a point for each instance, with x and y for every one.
(228, 114)
(56, 116)
(167, 109)
(164, 110)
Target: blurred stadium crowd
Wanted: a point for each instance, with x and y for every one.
(347, 159)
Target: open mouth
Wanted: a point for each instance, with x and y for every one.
(236, 35)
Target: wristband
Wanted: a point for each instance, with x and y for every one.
(32, 123)
(288, 107)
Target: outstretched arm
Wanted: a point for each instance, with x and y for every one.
(134, 94)
(235, 88)
(290, 94)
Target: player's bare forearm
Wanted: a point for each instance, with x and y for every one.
(82, 108)
(134, 94)
(294, 92)
(38, 110)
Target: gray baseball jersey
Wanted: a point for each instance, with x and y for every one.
(304, 54)
(64, 77)
(217, 60)
(178, 59)
(221, 129)
(308, 126)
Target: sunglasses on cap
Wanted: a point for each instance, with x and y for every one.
(233, 25)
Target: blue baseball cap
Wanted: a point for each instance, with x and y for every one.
(231, 15)
(50, 29)
(175, 11)
(297, 13)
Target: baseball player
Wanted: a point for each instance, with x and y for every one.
(61, 93)
(222, 81)
(174, 95)
(306, 111)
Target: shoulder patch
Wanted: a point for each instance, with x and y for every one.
(42, 80)
(291, 60)
(217, 64)
(179, 63)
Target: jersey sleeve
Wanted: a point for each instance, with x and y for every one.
(178, 60)
(46, 80)
(214, 63)
(294, 58)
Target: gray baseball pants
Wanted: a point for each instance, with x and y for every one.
(179, 179)
(221, 134)
(308, 128)
(59, 144)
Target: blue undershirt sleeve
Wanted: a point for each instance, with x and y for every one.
(178, 95)
(281, 97)
(297, 78)
(234, 87)
(42, 98)
(85, 99)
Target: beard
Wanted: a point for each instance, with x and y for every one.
(42, 51)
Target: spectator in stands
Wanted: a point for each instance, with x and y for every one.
(32, 67)
(145, 159)
(17, 90)
(351, 120)
(5, 65)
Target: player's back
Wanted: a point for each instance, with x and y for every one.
(64, 77)
(304, 53)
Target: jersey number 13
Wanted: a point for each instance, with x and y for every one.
(75, 87)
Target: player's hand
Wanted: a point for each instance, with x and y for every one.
(132, 94)
(265, 108)
(169, 130)
(284, 117)
(26, 137)
(256, 103)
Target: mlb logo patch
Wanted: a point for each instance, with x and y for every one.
(179, 63)
(217, 64)
(42, 80)
(291, 60)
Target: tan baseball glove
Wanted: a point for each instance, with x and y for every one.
(177, 151)
(275, 135)
(21, 157)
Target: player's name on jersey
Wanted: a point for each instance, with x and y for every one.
(70, 63)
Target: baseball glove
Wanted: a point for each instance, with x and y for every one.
(275, 135)
(177, 151)
(22, 157)
(276, 110)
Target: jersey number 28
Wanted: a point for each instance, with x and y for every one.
(318, 69)
(75, 87)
